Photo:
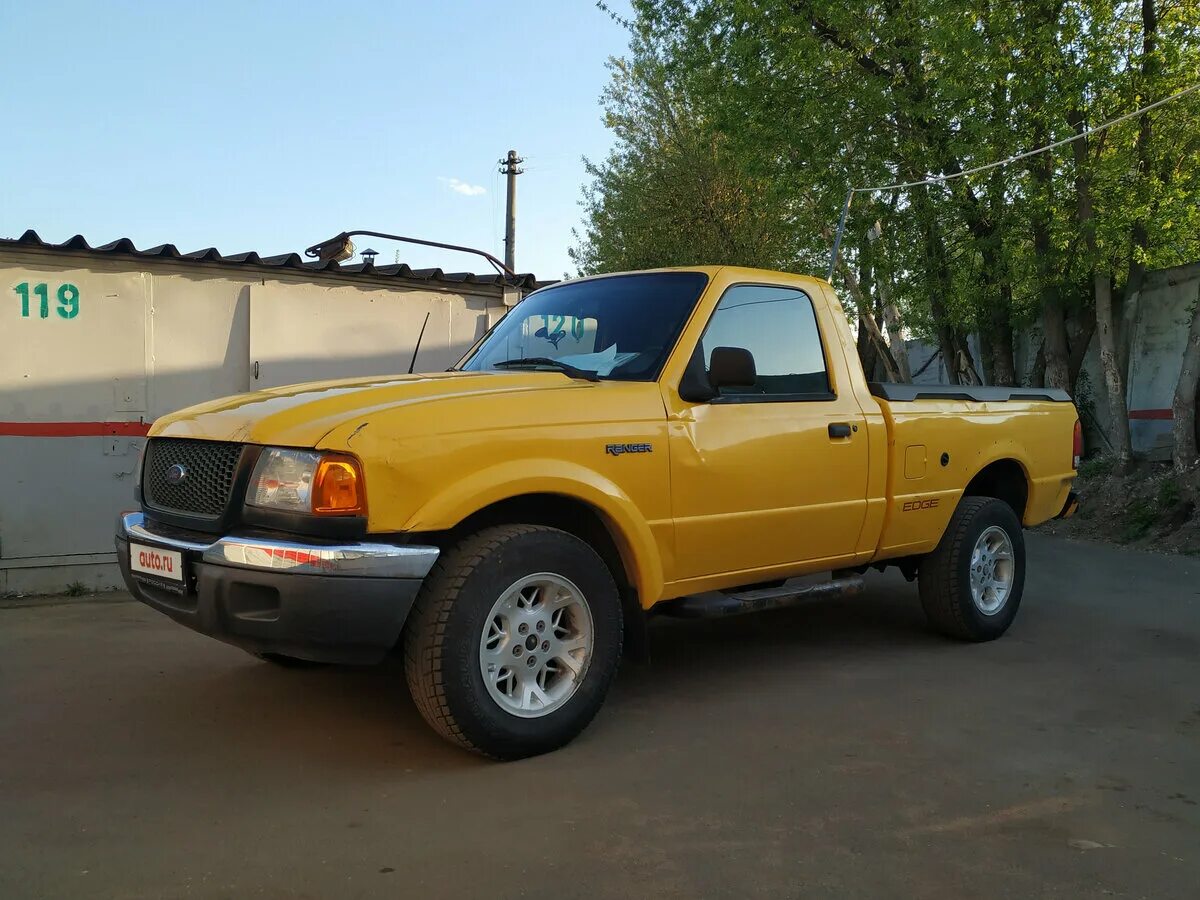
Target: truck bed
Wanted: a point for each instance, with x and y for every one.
(941, 438)
(904, 393)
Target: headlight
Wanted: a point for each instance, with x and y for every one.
(307, 481)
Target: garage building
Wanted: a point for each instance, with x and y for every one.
(97, 342)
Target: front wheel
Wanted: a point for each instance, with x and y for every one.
(971, 584)
(513, 641)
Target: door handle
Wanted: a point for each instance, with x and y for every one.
(839, 430)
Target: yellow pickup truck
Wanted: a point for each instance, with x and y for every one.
(695, 442)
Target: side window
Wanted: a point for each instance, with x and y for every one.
(779, 328)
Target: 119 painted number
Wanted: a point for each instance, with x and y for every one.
(68, 299)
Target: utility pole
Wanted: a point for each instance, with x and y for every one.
(510, 166)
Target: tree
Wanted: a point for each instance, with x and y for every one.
(677, 189)
(801, 100)
(671, 192)
(1184, 405)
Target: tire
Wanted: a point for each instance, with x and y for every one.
(289, 662)
(468, 618)
(953, 604)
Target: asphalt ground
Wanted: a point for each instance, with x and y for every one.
(837, 749)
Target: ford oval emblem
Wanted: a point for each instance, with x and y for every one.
(177, 474)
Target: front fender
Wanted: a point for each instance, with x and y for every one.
(504, 481)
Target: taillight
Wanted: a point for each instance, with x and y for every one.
(1077, 444)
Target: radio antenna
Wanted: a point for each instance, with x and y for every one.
(413, 362)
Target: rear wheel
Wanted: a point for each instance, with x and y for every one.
(513, 641)
(971, 584)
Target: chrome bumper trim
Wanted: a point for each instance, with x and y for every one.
(358, 559)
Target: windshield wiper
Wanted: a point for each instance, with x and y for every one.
(533, 362)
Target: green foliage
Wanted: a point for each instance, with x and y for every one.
(672, 192)
(1140, 517)
(740, 126)
(76, 589)
(1096, 467)
(1143, 514)
(1168, 494)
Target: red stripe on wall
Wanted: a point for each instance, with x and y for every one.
(74, 429)
(1151, 414)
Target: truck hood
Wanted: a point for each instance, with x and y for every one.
(301, 415)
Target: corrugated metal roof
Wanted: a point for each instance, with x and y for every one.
(291, 261)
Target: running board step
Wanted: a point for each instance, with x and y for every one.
(718, 604)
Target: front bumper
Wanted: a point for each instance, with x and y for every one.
(323, 601)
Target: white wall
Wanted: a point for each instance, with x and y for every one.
(297, 334)
(1156, 353)
(151, 337)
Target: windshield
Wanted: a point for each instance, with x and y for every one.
(619, 328)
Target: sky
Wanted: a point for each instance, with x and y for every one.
(271, 126)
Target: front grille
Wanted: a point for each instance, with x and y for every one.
(210, 470)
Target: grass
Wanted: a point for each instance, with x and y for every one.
(76, 589)
(1152, 506)
(1139, 519)
(1096, 467)
(1141, 516)
(1168, 493)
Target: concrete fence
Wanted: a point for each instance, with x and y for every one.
(94, 345)
(1158, 335)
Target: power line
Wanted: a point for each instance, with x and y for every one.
(938, 179)
(942, 179)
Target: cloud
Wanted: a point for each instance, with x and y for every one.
(463, 187)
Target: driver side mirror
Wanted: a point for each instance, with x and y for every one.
(731, 367)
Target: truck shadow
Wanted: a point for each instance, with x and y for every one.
(887, 618)
(249, 713)
(362, 719)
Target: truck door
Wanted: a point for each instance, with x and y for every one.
(773, 474)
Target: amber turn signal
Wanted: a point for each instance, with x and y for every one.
(338, 487)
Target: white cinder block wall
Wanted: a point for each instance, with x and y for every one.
(1159, 334)
(122, 339)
